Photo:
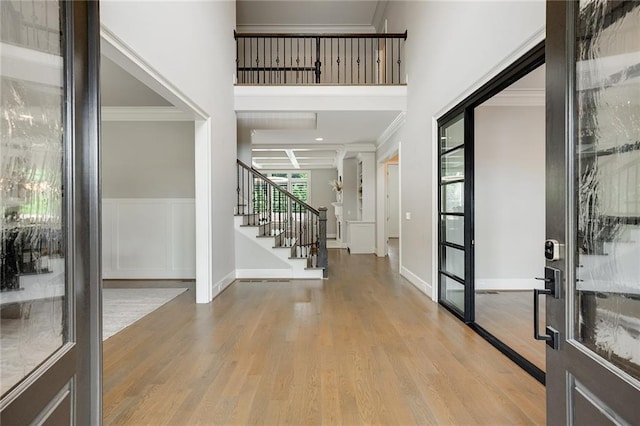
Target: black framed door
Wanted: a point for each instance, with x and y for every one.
(50, 193)
(455, 251)
(593, 212)
(456, 205)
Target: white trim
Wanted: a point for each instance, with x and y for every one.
(333, 244)
(204, 242)
(224, 283)
(517, 98)
(320, 98)
(263, 273)
(400, 203)
(123, 55)
(391, 129)
(527, 45)
(435, 220)
(147, 113)
(278, 273)
(306, 29)
(420, 284)
(332, 236)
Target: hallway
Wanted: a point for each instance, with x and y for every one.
(363, 347)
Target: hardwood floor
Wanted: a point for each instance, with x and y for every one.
(363, 347)
(508, 315)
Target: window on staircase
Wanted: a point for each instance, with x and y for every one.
(297, 183)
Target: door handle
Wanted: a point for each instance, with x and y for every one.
(552, 286)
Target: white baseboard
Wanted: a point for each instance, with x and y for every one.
(507, 284)
(418, 282)
(223, 283)
(279, 273)
(333, 244)
(148, 274)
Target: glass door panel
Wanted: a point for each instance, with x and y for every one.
(607, 294)
(452, 251)
(34, 307)
(452, 229)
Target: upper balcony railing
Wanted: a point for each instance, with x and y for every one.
(332, 59)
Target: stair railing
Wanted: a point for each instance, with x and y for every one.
(307, 59)
(283, 216)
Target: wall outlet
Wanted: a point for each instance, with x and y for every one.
(407, 215)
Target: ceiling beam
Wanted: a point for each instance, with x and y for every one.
(292, 158)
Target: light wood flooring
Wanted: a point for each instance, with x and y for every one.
(508, 315)
(363, 347)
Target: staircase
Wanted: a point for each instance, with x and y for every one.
(277, 234)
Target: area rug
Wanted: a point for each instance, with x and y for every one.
(121, 307)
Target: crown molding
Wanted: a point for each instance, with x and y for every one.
(306, 29)
(391, 129)
(517, 98)
(146, 113)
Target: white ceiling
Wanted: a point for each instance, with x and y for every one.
(299, 13)
(284, 136)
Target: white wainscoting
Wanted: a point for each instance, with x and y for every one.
(148, 238)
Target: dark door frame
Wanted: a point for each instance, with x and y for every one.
(67, 387)
(531, 60)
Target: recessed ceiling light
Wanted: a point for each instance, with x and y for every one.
(319, 139)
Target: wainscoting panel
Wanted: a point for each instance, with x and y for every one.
(148, 238)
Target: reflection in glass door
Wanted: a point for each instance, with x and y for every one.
(452, 258)
(49, 277)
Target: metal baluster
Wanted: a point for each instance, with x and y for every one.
(358, 61)
(399, 61)
(378, 61)
(365, 60)
(278, 60)
(338, 61)
(244, 59)
(297, 59)
(237, 64)
(253, 80)
(331, 45)
(391, 61)
(270, 60)
(264, 60)
(386, 55)
(345, 61)
(324, 51)
(351, 61)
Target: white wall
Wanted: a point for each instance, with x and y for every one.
(509, 196)
(190, 44)
(450, 47)
(148, 160)
(148, 238)
(322, 195)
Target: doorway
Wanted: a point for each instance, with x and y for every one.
(509, 213)
(491, 183)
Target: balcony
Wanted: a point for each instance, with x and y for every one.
(320, 59)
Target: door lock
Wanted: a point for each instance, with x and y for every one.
(551, 288)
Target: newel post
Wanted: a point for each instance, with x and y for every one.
(323, 259)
